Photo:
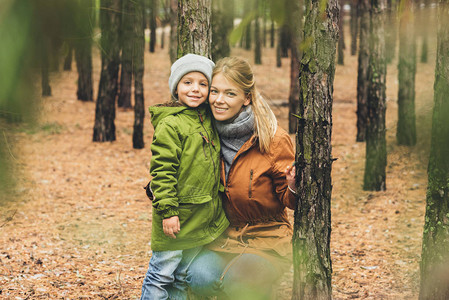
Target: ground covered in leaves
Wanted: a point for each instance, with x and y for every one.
(81, 227)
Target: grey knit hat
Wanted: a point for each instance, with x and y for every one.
(186, 64)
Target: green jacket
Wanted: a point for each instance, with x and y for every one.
(185, 170)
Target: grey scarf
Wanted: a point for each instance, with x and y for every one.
(234, 134)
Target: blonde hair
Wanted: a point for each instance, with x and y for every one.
(239, 72)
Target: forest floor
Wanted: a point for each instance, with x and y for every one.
(81, 229)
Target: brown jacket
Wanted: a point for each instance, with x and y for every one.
(255, 199)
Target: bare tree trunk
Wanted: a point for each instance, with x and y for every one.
(173, 30)
(222, 21)
(272, 34)
(68, 59)
(194, 29)
(312, 226)
(406, 128)
(341, 36)
(83, 50)
(362, 72)
(435, 255)
(138, 68)
(376, 152)
(153, 24)
(104, 128)
(278, 50)
(45, 74)
(354, 25)
(391, 32)
(126, 44)
(247, 35)
(295, 13)
(257, 37)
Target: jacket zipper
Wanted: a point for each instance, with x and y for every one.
(250, 193)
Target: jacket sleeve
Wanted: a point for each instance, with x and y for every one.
(166, 151)
(283, 155)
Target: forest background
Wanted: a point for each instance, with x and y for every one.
(76, 223)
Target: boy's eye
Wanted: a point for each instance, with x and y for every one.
(187, 82)
(204, 84)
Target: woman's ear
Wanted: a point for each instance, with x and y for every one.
(247, 99)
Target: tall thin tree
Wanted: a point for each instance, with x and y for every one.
(312, 225)
(435, 245)
(126, 45)
(85, 22)
(194, 29)
(138, 69)
(406, 129)
(341, 36)
(376, 152)
(257, 35)
(295, 15)
(104, 128)
(173, 51)
(362, 70)
(153, 24)
(354, 25)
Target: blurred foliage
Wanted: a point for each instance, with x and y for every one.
(30, 31)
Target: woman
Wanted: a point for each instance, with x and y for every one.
(258, 185)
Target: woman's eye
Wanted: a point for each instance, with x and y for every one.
(213, 91)
(231, 94)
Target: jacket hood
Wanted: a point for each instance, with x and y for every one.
(160, 111)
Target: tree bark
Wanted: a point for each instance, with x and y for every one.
(278, 50)
(126, 44)
(435, 255)
(406, 128)
(257, 37)
(295, 12)
(376, 153)
(312, 226)
(222, 22)
(272, 34)
(173, 30)
(68, 59)
(248, 32)
(153, 24)
(285, 40)
(194, 29)
(341, 36)
(391, 32)
(138, 70)
(354, 25)
(362, 72)
(83, 50)
(104, 128)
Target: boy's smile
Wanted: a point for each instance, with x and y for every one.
(193, 89)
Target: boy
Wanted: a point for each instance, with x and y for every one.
(187, 211)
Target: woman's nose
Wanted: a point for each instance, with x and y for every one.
(219, 98)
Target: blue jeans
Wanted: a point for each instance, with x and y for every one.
(166, 275)
(248, 276)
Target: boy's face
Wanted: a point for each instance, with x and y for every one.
(193, 89)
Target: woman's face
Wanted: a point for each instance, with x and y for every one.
(226, 99)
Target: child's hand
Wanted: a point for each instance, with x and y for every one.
(171, 226)
(290, 173)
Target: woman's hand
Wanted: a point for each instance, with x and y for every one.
(290, 173)
(171, 226)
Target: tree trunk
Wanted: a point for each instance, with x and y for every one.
(295, 14)
(194, 29)
(278, 50)
(264, 24)
(104, 128)
(248, 36)
(257, 37)
(126, 44)
(68, 59)
(83, 51)
(376, 153)
(423, 17)
(153, 24)
(312, 226)
(173, 51)
(138, 68)
(362, 72)
(285, 40)
(272, 34)
(406, 128)
(391, 32)
(354, 25)
(435, 255)
(45, 74)
(341, 36)
(222, 22)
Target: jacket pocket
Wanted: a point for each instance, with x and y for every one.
(194, 199)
